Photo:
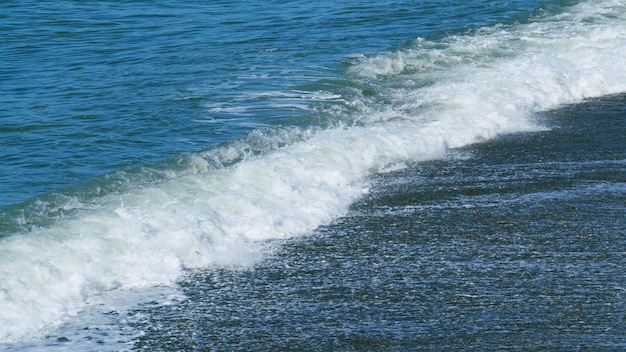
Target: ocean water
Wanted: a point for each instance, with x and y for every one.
(430, 175)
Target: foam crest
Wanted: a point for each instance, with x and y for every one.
(532, 67)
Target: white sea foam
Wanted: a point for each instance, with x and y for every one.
(430, 98)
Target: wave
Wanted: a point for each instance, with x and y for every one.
(218, 207)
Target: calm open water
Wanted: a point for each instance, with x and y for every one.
(327, 176)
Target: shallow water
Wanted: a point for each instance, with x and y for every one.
(512, 244)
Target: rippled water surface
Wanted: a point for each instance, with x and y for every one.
(515, 244)
(312, 176)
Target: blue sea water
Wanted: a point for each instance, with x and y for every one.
(93, 88)
(143, 144)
